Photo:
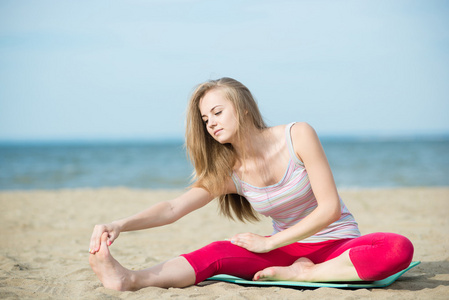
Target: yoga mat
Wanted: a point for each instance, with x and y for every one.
(351, 285)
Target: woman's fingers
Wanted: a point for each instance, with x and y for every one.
(108, 232)
(252, 242)
(240, 239)
(95, 240)
(111, 238)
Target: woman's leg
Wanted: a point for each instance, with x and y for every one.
(371, 257)
(379, 255)
(223, 257)
(220, 257)
(176, 272)
(303, 269)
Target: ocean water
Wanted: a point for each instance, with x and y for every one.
(164, 165)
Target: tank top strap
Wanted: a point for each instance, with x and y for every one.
(237, 183)
(291, 150)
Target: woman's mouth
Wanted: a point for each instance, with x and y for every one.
(217, 131)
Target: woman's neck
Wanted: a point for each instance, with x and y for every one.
(253, 144)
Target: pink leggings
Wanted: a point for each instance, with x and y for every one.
(375, 256)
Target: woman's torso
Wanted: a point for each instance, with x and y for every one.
(290, 199)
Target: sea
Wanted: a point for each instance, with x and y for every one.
(356, 163)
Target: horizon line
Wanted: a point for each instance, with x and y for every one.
(181, 139)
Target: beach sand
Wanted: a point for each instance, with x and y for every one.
(44, 241)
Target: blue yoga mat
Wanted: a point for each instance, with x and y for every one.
(353, 285)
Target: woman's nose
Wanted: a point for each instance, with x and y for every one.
(212, 122)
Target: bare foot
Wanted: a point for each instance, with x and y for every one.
(109, 271)
(300, 270)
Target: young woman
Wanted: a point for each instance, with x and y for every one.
(281, 172)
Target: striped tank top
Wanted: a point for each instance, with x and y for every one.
(291, 200)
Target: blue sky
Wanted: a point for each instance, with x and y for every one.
(125, 69)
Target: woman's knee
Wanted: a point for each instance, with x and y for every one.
(388, 254)
(400, 251)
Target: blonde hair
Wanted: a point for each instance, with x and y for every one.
(214, 162)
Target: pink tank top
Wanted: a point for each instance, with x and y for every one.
(291, 199)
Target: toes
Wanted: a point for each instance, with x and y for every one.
(265, 274)
(256, 276)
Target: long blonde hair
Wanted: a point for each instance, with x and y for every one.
(214, 162)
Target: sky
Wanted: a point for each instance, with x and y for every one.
(124, 70)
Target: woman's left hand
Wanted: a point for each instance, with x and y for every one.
(252, 242)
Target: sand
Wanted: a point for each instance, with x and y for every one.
(44, 239)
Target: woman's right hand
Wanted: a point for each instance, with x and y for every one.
(113, 230)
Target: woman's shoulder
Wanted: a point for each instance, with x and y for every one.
(300, 133)
(301, 125)
(302, 130)
(304, 138)
(297, 128)
(281, 128)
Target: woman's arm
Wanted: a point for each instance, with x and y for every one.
(162, 213)
(166, 212)
(309, 150)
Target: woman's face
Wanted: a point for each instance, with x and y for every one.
(219, 116)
